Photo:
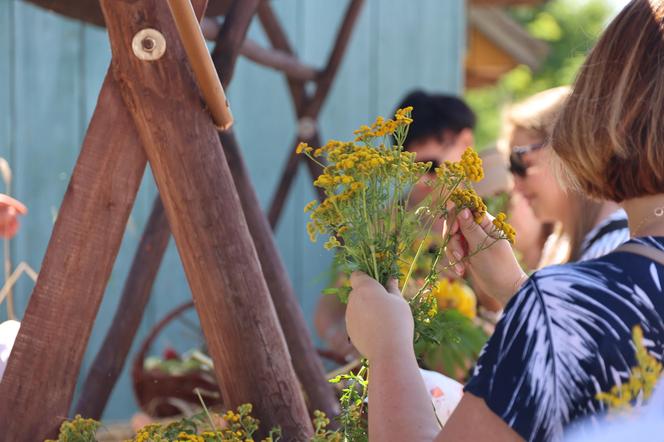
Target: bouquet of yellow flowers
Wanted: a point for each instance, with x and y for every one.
(371, 222)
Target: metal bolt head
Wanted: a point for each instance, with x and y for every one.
(148, 44)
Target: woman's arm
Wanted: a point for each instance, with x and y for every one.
(400, 407)
(380, 325)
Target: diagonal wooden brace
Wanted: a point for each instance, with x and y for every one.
(41, 375)
(111, 358)
(307, 106)
(237, 315)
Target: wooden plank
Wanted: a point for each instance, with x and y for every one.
(306, 362)
(231, 36)
(237, 316)
(47, 355)
(90, 12)
(110, 358)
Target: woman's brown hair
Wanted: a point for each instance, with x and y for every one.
(610, 133)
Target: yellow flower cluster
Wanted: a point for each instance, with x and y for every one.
(455, 295)
(350, 169)
(403, 116)
(77, 429)
(468, 198)
(185, 437)
(472, 165)
(642, 379)
(231, 417)
(501, 224)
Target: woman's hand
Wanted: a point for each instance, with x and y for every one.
(495, 269)
(379, 321)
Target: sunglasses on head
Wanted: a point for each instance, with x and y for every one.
(517, 166)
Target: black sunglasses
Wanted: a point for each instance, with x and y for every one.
(517, 166)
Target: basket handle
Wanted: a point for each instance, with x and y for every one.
(145, 346)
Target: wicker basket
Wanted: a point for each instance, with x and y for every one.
(161, 394)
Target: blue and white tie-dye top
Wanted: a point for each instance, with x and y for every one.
(566, 336)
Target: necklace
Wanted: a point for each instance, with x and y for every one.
(658, 212)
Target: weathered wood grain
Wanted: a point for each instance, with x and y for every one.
(233, 302)
(110, 359)
(41, 374)
(306, 362)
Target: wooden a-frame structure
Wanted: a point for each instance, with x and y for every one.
(151, 111)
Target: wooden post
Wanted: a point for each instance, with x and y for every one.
(306, 106)
(108, 363)
(237, 315)
(110, 359)
(231, 36)
(306, 362)
(41, 375)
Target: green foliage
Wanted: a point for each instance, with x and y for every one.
(570, 28)
(353, 403)
(464, 341)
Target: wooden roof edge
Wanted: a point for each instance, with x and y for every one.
(89, 11)
(497, 25)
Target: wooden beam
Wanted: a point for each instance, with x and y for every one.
(238, 318)
(279, 41)
(110, 359)
(306, 106)
(230, 38)
(306, 362)
(89, 11)
(308, 366)
(339, 49)
(271, 58)
(278, 60)
(43, 367)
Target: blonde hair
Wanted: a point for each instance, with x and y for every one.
(537, 115)
(609, 134)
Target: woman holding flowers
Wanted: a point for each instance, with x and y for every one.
(565, 336)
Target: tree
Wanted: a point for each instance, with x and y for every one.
(570, 28)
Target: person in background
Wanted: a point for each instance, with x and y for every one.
(566, 336)
(441, 131)
(584, 228)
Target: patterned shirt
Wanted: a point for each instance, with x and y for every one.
(566, 336)
(606, 236)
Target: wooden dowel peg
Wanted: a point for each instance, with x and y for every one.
(201, 62)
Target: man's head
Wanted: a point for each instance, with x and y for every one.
(442, 129)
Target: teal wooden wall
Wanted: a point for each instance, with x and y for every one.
(51, 70)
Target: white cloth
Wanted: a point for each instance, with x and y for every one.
(445, 393)
(8, 333)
